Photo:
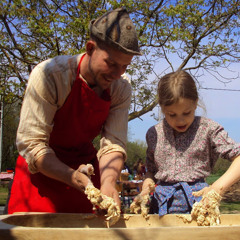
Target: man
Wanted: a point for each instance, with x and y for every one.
(69, 100)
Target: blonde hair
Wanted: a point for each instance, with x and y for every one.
(174, 86)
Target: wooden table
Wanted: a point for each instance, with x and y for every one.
(42, 226)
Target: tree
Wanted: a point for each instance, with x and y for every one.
(198, 36)
(195, 35)
(135, 150)
(10, 123)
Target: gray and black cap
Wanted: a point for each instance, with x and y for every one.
(116, 29)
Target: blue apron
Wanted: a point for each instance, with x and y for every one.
(172, 198)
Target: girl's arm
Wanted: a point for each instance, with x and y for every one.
(231, 176)
(148, 184)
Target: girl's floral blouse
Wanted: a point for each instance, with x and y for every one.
(188, 156)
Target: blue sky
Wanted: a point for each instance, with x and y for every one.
(221, 106)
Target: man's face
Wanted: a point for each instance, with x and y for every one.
(106, 66)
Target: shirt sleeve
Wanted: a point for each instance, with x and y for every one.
(222, 145)
(45, 93)
(151, 139)
(114, 133)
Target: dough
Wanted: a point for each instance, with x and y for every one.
(206, 212)
(140, 203)
(103, 202)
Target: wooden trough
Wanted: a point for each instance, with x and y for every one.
(38, 226)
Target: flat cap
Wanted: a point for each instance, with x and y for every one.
(116, 29)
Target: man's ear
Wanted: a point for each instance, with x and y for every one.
(90, 47)
(196, 104)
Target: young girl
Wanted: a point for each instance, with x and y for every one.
(183, 148)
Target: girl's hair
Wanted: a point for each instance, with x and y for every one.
(174, 86)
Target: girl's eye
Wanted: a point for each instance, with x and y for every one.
(187, 113)
(172, 115)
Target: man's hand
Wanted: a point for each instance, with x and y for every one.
(87, 169)
(111, 191)
(52, 167)
(81, 177)
(110, 166)
(105, 205)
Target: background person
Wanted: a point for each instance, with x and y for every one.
(139, 169)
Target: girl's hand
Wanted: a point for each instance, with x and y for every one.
(206, 190)
(140, 202)
(206, 212)
(202, 192)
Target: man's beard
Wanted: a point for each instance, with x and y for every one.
(94, 77)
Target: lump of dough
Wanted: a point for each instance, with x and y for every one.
(206, 212)
(103, 202)
(140, 203)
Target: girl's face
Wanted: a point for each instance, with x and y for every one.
(180, 115)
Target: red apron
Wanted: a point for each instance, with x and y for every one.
(76, 124)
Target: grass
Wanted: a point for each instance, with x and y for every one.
(212, 178)
(230, 207)
(3, 195)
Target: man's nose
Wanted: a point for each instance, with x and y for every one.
(117, 72)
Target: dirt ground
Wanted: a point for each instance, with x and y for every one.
(233, 193)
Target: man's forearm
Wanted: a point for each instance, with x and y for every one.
(52, 167)
(110, 167)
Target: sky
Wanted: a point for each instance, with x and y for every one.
(221, 106)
